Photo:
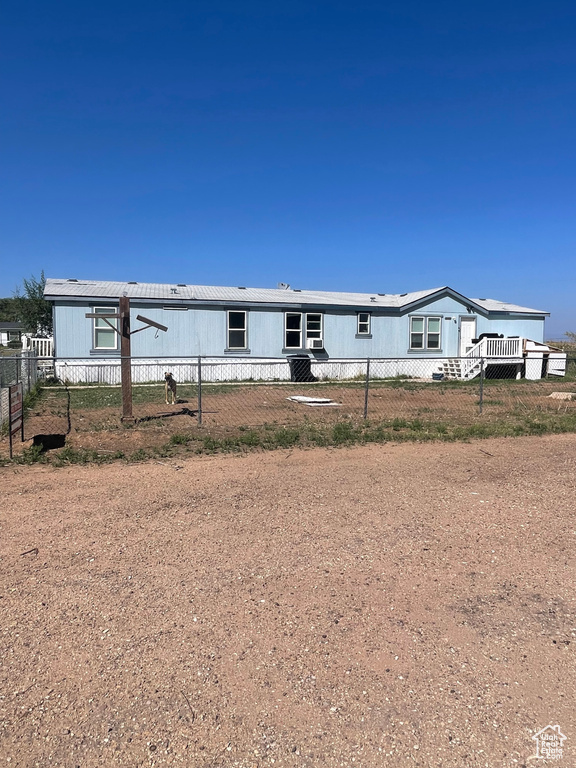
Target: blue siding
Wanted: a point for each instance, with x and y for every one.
(72, 331)
(527, 327)
(202, 330)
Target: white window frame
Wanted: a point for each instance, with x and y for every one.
(316, 333)
(426, 333)
(367, 323)
(304, 331)
(292, 330)
(244, 329)
(113, 321)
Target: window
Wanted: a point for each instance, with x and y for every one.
(13, 335)
(314, 326)
(425, 333)
(417, 332)
(104, 336)
(237, 330)
(363, 323)
(293, 330)
(433, 335)
(297, 323)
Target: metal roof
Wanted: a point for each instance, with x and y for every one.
(493, 305)
(170, 292)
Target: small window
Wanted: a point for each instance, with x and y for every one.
(314, 326)
(425, 333)
(105, 337)
(363, 323)
(237, 330)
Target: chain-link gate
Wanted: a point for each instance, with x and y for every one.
(17, 368)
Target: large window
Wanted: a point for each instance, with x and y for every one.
(299, 327)
(105, 337)
(237, 330)
(293, 330)
(363, 324)
(425, 333)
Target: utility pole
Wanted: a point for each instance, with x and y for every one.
(125, 360)
(125, 349)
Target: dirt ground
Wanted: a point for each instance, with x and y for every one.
(393, 605)
(99, 428)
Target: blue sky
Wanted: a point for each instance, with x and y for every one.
(366, 146)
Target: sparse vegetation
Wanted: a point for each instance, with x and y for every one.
(567, 344)
(343, 433)
(240, 418)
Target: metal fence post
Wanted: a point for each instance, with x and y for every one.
(366, 388)
(199, 391)
(10, 421)
(481, 393)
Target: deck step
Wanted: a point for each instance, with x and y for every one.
(453, 368)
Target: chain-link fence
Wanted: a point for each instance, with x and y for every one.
(16, 368)
(215, 396)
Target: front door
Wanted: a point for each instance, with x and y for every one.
(467, 333)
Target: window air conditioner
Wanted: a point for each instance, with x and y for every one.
(314, 344)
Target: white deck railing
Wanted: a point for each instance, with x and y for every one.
(490, 349)
(503, 347)
(42, 347)
(472, 360)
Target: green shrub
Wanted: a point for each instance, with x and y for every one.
(344, 432)
(285, 438)
(178, 439)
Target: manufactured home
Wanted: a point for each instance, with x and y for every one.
(11, 334)
(431, 330)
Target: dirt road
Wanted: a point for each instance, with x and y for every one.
(391, 605)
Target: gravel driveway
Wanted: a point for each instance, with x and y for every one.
(395, 605)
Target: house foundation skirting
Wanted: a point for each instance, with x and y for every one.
(107, 371)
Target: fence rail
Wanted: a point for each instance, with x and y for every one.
(83, 397)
